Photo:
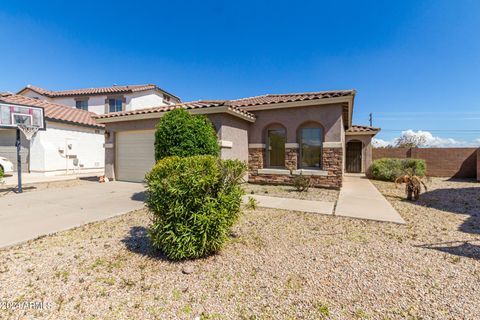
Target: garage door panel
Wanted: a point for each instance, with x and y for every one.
(134, 154)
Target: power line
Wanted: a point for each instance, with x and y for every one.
(435, 130)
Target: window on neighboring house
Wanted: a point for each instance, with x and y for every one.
(115, 104)
(166, 97)
(276, 147)
(311, 139)
(82, 104)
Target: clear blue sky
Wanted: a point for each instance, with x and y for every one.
(415, 64)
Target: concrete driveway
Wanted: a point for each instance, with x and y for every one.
(30, 215)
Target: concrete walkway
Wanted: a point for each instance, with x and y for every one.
(360, 199)
(32, 214)
(322, 207)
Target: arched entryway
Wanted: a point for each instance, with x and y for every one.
(354, 157)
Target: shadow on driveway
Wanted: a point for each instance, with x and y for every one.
(138, 196)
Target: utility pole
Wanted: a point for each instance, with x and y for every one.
(371, 119)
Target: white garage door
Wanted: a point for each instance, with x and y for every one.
(134, 154)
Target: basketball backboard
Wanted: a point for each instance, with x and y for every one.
(11, 116)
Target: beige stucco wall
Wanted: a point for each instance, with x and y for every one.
(232, 133)
(366, 149)
(329, 116)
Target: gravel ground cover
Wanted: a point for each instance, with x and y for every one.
(277, 265)
(320, 194)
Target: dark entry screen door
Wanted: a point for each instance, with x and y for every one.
(354, 157)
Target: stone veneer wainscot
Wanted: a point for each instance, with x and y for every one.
(330, 176)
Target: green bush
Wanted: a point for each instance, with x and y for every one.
(388, 169)
(178, 133)
(194, 202)
(302, 183)
(1, 174)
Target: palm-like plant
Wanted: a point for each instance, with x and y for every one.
(413, 184)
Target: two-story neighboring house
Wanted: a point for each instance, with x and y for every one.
(70, 127)
(105, 99)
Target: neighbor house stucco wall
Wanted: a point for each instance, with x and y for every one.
(144, 99)
(97, 104)
(366, 149)
(46, 148)
(34, 95)
(329, 116)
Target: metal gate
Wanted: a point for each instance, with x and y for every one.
(354, 157)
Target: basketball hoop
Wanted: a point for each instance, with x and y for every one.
(28, 131)
(25, 118)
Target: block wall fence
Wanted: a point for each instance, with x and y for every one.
(441, 162)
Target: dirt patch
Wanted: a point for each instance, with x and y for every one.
(320, 194)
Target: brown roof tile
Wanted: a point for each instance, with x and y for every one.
(53, 111)
(239, 103)
(187, 105)
(95, 91)
(362, 129)
(291, 97)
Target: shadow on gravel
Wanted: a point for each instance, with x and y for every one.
(465, 201)
(138, 242)
(466, 248)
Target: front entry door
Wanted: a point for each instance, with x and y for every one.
(354, 157)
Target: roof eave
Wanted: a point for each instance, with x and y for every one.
(160, 113)
(364, 133)
(96, 126)
(349, 100)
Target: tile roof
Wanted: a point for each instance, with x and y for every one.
(238, 104)
(202, 104)
(96, 91)
(362, 129)
(53, 111)
(291, 97)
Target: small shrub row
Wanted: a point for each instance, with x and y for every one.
(388, 169)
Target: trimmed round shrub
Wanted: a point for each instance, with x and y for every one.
(180, 134)
(194, 202)
(388, 169)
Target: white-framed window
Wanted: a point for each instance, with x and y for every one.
(115, 104)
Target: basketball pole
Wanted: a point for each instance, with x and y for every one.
(18, 144)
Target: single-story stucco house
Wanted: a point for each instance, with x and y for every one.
(279, 135)
(72, 141)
